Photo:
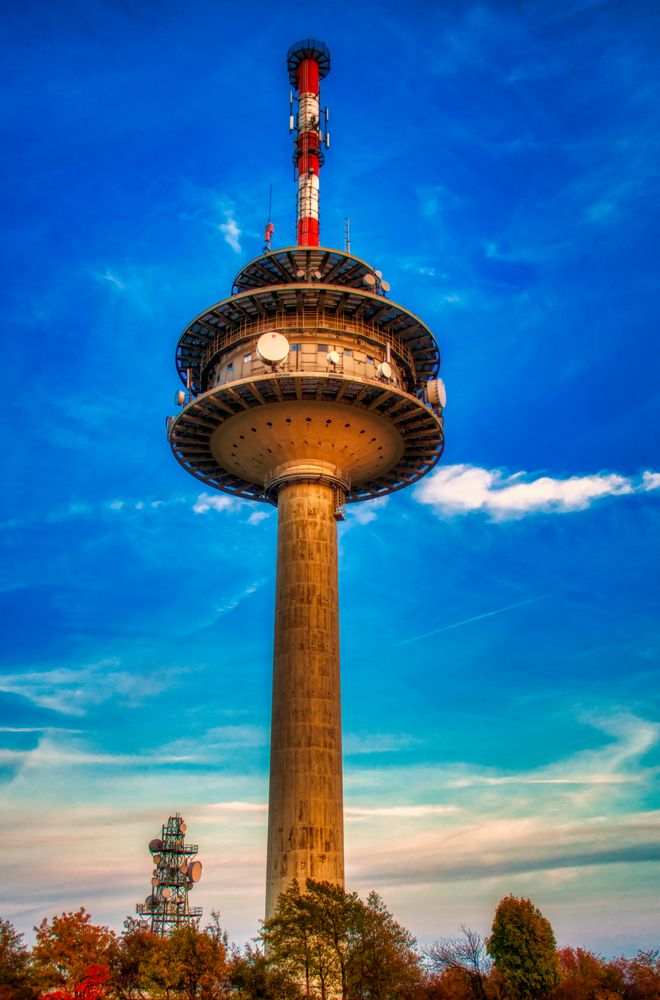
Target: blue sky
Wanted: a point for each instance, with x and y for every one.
(499, 163)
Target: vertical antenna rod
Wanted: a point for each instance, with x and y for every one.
(308, 62)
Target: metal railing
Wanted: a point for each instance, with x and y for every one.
(307, 324)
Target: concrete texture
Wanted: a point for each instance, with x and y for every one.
(305, 816)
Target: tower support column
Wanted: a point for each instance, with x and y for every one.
(305, 814)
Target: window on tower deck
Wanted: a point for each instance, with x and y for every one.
(322, 347)
(370, 360)
(230, 367)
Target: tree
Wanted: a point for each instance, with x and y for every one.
(92, 986)
(191, 963)
(132, 961)
(467, 956)
(523, 948)
(254, 978)
(383, 962)
(585, 976)
(335, 944)
(66, 946)
(641, 975)
(15, 974)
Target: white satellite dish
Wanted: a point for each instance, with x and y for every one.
(179, 398)
(385, 370)
(155, 845)
(369, 280)
(379, 275)
(272, 348)
(385, 285)
(333, 358)
(436, 393)
(195, 871)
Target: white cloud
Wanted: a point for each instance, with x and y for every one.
(231, 232)
(367, 511)
(459, 489)
(651, 481)
(213, 501)
(257, 516)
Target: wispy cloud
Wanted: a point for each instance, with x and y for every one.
(460, 489)
(73, 691)
(366, 512)
(231, 232)
(213, 501)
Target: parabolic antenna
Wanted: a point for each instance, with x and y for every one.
(154, 880)
(179, 398)
(150, 901)
(183, 826)
(436, 393)
(369, 280)
(385, 369)
(272, 348)
(166, 893)
(155, 845)
(183, 868)
(333, 358)
(385, 285)
(195, 871)
(157, 859)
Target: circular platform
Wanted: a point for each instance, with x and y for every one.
(234, 436)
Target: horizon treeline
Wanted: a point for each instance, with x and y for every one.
(323, 943)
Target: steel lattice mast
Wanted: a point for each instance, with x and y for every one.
(307, 388)
(175, 872)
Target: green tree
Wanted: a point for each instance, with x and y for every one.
(66, 946)
(15, 973)
(254, 978)
(523, 948)
(383, 962)
(334, 944)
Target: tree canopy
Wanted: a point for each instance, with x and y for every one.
(523, 948)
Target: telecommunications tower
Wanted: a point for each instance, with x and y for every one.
(175, 873)
(307, 388)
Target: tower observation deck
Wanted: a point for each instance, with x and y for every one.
(307, 388)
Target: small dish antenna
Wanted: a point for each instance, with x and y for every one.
(385, 370)
(195, 871)
(333, 358)
(436, 393)
(179, 398)
(369, 280)
(272, 348)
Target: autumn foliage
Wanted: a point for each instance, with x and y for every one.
(322, 944)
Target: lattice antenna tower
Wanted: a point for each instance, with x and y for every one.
(175, 873)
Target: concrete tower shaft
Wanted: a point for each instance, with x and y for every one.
(307, 388)
(305, 813)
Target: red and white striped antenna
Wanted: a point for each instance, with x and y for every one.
(308, 62)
